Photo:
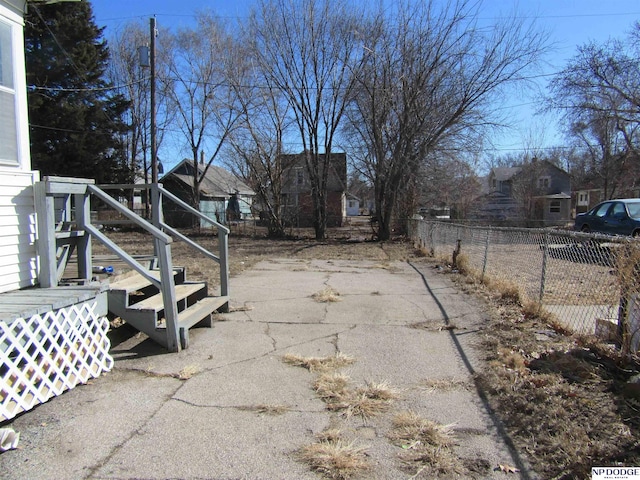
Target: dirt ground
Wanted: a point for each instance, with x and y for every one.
(569, 402)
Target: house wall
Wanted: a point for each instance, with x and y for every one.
(18, 259)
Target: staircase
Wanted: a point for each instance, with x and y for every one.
(157, 300)
(140, 303)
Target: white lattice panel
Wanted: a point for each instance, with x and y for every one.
(45, 355)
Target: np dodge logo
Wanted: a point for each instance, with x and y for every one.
(615, 473)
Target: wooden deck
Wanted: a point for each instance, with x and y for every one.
(37, 301)
(51, 339)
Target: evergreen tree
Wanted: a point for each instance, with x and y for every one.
(76, 119)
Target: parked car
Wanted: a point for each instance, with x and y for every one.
(614, 217)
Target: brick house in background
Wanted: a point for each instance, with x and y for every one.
(296, 190)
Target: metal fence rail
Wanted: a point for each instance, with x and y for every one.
(590, 283)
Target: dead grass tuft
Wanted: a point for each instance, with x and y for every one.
(331, 386)
(508, 291)
(427, 444)
(263, 409)
(367, 401)
(432, 326)
(326, 295)
(187, 372)
(445, 384)
(318, 364)
(243, 308)
(462, 263)
(337, 458)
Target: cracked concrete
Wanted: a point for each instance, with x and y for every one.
(141, 421)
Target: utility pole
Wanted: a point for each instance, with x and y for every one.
(154, 154)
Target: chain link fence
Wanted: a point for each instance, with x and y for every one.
(589, 283)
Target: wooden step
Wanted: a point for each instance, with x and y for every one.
(198, 314)
(183, 291)
(134, 281)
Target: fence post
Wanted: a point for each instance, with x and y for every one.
(486, 254)
(545, 249)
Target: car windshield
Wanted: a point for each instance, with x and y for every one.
(634, 209)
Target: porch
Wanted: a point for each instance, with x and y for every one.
(54, 335)
(51, 339)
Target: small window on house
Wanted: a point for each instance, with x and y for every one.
(300, 177)
(8, 129)
(494, 183)
(554, 206)
(543, 182)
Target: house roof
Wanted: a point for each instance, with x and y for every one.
(505, 173)
(217, 182)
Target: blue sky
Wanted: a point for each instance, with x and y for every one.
(570, 22)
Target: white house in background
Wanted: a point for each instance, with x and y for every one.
(353, 205)
(18, 258)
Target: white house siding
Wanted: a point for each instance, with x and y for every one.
(18, 260)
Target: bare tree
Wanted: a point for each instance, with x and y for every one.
(205, 102)
(598, 96)
(126, 69)
(257, 144)
(309, 51)
(428, 79)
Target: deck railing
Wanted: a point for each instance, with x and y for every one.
(63, 208)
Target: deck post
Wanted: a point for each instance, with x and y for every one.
(83, 248)
(46, 244)
(223, 245)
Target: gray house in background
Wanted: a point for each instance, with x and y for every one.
(216, 189)
(535, 194)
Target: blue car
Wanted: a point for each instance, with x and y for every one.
(613, 217)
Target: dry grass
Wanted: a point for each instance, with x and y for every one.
(445, 384)
(326, 295)
(427, 444)
(331, 387)
(263, 409)
(432, 326)
(365, 402)
(318, 364)
(335, 457)
(187, 372)
(561, 397)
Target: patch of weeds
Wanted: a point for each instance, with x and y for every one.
(366, 401)
(428, 445)
(331, 386)
(335, 457)
(262, 409)
(318, 364)
(507, 291)
(326, 295)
